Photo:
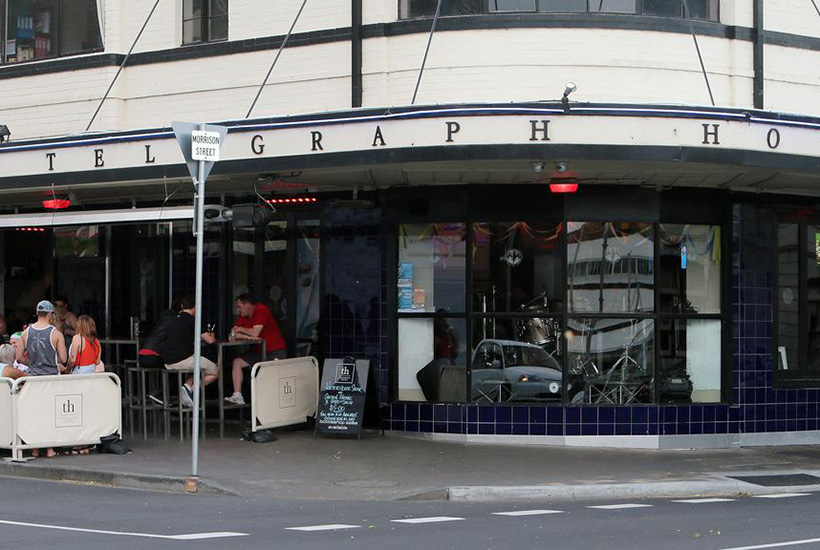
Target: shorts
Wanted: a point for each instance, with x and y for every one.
(151, 362)
(88, 369)
(207, 366)
(254, 357)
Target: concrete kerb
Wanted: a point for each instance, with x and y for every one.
(673, 489)
(165, 484)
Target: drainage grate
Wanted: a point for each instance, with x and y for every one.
(781, 480)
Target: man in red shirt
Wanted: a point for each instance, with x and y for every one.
(254, 321)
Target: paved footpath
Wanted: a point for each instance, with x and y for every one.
(392, 467)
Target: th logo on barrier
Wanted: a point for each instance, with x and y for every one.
(68, 411)
(287, 392)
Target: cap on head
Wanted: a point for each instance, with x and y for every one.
(16, 336)
(45, 307)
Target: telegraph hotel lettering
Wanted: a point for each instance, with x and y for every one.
(311, 138)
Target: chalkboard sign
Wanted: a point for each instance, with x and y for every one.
(341, 396)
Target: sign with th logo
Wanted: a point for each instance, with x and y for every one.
(287, 392)
(345, 372)
(68, 411)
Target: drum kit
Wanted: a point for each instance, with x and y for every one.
(541, 331)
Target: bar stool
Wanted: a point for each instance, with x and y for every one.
(143, 381)
(182, 411)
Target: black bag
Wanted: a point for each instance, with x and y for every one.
(260, 436)
(113, 444)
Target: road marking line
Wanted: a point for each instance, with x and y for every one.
(620, 506)
(435, 519)
(775, 544)
(193, 536)
(519, 513)
(704, 500)
(329, 527)
(783, 495)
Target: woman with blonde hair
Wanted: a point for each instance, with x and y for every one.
(85, 348)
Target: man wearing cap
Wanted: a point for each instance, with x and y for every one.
(44, 344)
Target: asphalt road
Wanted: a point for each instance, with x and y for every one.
(36, 514)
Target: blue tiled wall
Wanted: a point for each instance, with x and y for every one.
(756, 407)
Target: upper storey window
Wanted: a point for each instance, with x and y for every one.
(204, 21)
(42, 29)
(700, 9)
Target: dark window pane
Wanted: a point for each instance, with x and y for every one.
(690, 268)
(192, 31)
(432, 359)
(427, 8)
(610, 267)
(308, 289)
(610, 361)
(788, 297)
(517, 267)
(218, 28)
(193, 8)
(508, 366)
(432, 259)
(613, 6)
(512, 5)
(813, 296)
(562, 5)
(33, 29)
(218, 7)
(80, 28)
(689, 361)
(668, 8)
(703, 9)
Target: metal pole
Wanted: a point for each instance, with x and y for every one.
(282, 47)
(122, 65)
(697, 49)
(200, 243)
(426, 51)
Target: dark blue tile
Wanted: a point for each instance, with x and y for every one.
(571, 429)
(640, 428)
(589, 415)
(538, 429)
(440, 413)
(521, 415)
(538, 415)
(606, 429)
(670, 429)
(606, 415)
(472, 428)
(623, 429)
(721, 427)
(455, 428)
(472, 414)
(639, 415)
(708, 427)
(589, 429)
(623, 415)
(454, 413)
(572, 414)
(503, 413)
(486, 414)
(696, 413)
(486, 429)
(708, 413)
(397, 425)
(425, 426)
(425, 412)
(521, 428)
(397, 411)
(555, 429)
(555, 415)
(503, 428)
(411, 426)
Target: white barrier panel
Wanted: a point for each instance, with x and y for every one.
(79, 409)
(284, 392)
(6, 412)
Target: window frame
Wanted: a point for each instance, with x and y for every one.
(404, 5)
(205, 19)
(800, 377)
(656, 315)
(56, 47)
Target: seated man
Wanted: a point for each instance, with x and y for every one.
(255, 321)
(178, 349)
(66, 320)
(7, 363)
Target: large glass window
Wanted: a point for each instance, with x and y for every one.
(587, 312)
(797, 355)
(610, 267)
(699, 9)
(40, 29)
(204, 21)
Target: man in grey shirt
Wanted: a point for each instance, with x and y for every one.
(44, 344)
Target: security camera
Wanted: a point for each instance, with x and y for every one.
(561, 166)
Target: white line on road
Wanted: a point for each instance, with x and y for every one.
(704, 500)
(329, 527)
(783, 495)
(775, 544)
(620, 506)
(193, 536)
(519, 513)
(435, 519)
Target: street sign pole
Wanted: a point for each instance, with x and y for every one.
(200, 257)
(200, 145)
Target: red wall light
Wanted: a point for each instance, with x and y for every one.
(56, 204)
(293, 200)
(556, 187)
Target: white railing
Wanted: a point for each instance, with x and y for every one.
(58, 411)
(284, 392)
